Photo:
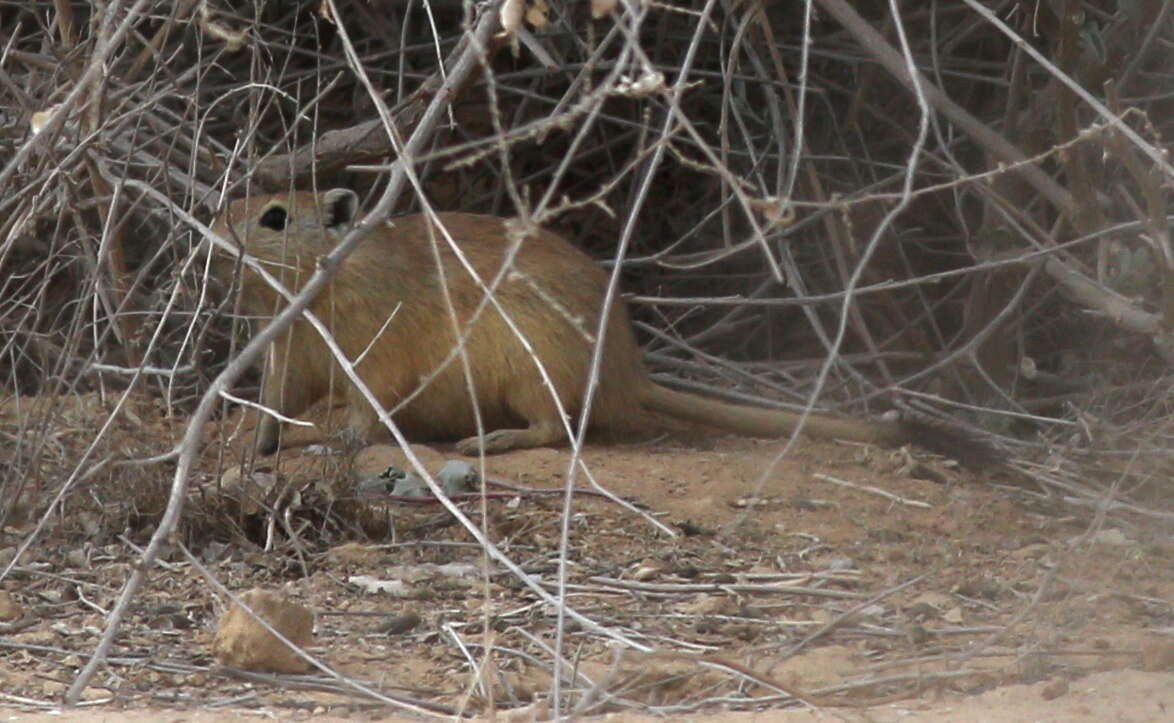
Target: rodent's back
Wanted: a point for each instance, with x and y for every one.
(550, 294)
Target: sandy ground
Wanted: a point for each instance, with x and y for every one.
(952, 596)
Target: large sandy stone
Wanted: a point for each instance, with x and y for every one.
(242, 642)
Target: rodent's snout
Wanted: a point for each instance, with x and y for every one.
(228, 246)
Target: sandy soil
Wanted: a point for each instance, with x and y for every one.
(953, 597)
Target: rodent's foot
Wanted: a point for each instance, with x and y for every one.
(495, 442)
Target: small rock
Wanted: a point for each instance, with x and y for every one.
(53, 595)
(872, 611)
(648, 569)
(918, 635)
(93, 694)
(1157, 655)
(10, 609)
(457, 569)
(537, 711)
(77, 558)
(377, 457)
(1054, 690)
(411, 485)
(934, 599)
(922, 611)
(394, 481)
(381, 483)
(376, 586)
(982, 588)
(1111, 537)
(44, 638)
(750, 611)
(706, 604)
(1031, 551)
(250, 488)
(400, 624)
(687, 571)
(458, 477)
(53, 689)
(353, 553)
(91, 523)
(242, 642)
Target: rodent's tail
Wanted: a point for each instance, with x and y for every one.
(948, 441)
(760, 422)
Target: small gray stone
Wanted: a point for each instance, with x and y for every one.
(458, 477)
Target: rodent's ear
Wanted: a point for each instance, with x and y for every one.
(340, 207)
(275, 216)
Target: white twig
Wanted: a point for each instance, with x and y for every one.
(874, 490)
(267, 410)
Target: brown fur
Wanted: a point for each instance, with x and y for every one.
(553, 293)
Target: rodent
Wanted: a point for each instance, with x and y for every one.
(386, 307)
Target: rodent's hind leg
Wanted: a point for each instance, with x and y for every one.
(538, 434)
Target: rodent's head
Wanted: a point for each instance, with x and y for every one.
(281, 225)
(286, 233)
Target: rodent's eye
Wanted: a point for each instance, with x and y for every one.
(275, 218)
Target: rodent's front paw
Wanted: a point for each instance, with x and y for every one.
(352, 438)
(268, 437)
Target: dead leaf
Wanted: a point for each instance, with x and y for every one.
(324, 12)
(599, 8)
(41, 118)
(536, 14)
(936, 599)
(233, 40)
